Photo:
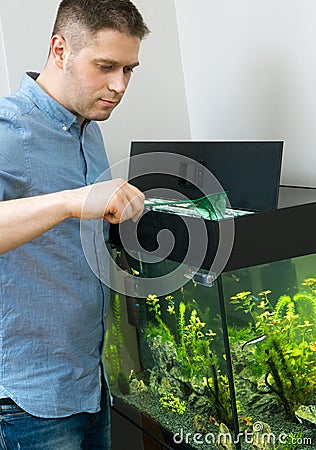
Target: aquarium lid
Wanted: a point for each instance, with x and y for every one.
(249, 171)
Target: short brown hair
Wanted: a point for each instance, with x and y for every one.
(95, 15)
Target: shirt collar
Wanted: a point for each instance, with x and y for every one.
(58, 113)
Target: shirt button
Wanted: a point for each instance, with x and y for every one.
(64, 127)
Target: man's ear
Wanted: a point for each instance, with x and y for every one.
(58, 50)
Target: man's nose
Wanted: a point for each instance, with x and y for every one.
(118, 83)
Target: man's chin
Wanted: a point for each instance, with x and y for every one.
(99, 117)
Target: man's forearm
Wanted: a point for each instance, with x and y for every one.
(24, 219)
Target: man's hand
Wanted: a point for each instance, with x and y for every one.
(115, 201)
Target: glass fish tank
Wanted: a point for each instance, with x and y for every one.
(225, 359)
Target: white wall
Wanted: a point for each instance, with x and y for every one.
(250, 73)
(27, 26)
(4, 76)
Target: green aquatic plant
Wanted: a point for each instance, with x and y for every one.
(192, 341)
(113, 348)
(181, 324)
(285, 354)
(311, 284)
(238, 335)
(118, 338)
(302, 307)
(153, 303)
(174, 404)
(283, 378)
(111, 358)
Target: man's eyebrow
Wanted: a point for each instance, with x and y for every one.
(113, 62)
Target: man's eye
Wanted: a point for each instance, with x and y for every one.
(128, 69)
(105, 68)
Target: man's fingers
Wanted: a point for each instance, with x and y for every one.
(126, 202)
(134, 206)
(137, 205)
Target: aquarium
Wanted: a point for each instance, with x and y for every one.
(224, 360)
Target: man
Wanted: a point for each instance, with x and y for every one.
(53, 306)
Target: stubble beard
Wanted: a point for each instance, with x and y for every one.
(82, 102)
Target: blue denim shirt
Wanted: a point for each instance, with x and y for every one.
(52, 305)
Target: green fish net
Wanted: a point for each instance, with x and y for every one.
(210, 207)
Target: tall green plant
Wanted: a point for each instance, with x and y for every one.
(113, 348)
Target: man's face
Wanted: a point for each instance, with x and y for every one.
(95, 78)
